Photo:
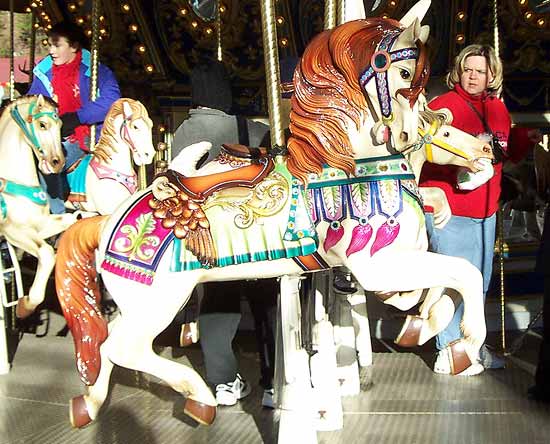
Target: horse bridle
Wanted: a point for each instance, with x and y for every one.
(428, 139)
(380, 63)
(27, 126)
(126, 136)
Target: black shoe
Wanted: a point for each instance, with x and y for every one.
(538, 394)
(344, 283)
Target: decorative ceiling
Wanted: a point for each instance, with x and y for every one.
(152, 44)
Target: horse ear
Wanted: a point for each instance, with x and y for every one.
(354, 10)
(424, 33)
(418, 11)
(126, 110)
(411, 34)
(40, 101)
(447, 113)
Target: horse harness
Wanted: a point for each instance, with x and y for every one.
(380, 63)
(26, 125)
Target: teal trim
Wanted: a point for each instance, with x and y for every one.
(27, 126)
(3, 207)
(355, 180)
(34, 194)
(269, 255)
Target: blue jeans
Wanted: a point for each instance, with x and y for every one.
(72, 152)
(471, 239)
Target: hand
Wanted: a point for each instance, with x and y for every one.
(70, 122)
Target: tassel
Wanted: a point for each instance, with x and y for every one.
(334, 234)
(360, 237)
(385, 235)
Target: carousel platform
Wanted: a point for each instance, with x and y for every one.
(402, 401)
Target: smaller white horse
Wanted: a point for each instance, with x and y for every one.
(103, 179)
(29, 130)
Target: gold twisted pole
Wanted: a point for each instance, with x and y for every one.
(500, 215)
(341, 11)
(219, 31)
(32, 54)
(330, 14)
(94, 50)
(12, 50)
(272, 78)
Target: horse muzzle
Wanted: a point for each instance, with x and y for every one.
(51, 166)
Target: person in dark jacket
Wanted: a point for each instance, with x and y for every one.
(65, 76)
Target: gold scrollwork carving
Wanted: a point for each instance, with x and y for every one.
(265, 200)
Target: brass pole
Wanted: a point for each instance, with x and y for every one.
(272, 78)
(500, 216)
(219, 31)
(12, 50)
(330, 14)
(341, 12)
(32, 53)
(94, 50)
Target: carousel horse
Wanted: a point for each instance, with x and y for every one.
(30, 138)
(354, 110)
(103, 179)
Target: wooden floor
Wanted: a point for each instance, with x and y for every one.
(402, 401)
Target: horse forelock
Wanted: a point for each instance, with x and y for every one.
(27, 100)
(107, 143)
(328, 96)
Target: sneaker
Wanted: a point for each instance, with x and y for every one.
(267, 399)
(442, 365)
(231, 392)
(490, 359)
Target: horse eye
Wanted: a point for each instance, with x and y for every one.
(446, 134)
(135, 127)
(42, 125)
(405, 75)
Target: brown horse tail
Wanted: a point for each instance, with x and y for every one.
(79, 295)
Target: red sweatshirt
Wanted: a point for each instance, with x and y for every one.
(483, 201)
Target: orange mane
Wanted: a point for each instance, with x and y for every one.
(327, 95)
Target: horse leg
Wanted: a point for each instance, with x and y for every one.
(28, 241)
(84, 408)
(146, 312)
(441, 271)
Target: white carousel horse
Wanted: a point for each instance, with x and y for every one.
(103, 179)
(336, 110)
(30, 136)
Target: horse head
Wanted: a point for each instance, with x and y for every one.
(356, 88)
(40, 126)
(446, 145)
(127, 124)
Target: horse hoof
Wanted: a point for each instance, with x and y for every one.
(461, 363)
(79, 412)
(21, 310)
(200, 412)
(410, 333)
(188, 334)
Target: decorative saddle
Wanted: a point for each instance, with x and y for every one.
(178, 199)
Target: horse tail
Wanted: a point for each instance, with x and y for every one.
(79, 295)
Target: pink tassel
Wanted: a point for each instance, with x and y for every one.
(360, 236)
(385, 235)
(333, 236)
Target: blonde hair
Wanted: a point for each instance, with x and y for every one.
(494, 65)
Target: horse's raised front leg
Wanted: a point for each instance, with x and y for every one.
(28, 240)
(410, 270)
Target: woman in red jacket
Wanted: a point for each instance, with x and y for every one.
(475, 82)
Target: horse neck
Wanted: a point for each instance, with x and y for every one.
(118, 152)
(16, 156)
(417, 159)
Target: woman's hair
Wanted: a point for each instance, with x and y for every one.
(73, 33)
(494, 65)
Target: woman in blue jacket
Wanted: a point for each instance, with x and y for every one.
(64, 75)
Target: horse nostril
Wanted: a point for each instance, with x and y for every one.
(55, 162)
(486, 149)
(404, 136)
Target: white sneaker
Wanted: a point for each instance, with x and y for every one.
(267, 399)
(231, 392)
(442, 365)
